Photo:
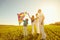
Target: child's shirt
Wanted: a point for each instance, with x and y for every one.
(25, 22)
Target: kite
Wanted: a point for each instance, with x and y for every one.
(21, 16)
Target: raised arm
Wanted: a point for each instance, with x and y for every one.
(29, 16)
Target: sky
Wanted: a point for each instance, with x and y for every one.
(10, 8)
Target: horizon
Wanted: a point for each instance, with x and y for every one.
(10, 8)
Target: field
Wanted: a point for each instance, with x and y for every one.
(9, 32)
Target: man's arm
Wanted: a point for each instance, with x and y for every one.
(43, 20)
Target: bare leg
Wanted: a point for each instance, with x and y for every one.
(19, 23)
(42, 32)
(25, 30)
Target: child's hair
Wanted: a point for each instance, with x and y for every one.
(26, 19)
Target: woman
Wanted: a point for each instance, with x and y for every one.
(37, 24)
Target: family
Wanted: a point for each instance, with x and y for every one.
(38, 21)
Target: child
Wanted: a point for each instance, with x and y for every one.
(25, 26)
(32, 22)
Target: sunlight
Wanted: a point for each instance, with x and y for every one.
(49, 11)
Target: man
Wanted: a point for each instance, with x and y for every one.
(41, 24)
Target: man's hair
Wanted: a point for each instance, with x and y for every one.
(39, 10)
(27, 19)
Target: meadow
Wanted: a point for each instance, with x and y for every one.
(10, 32)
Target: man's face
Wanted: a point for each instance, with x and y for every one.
(39, 11)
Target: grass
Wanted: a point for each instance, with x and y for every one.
(9, 32)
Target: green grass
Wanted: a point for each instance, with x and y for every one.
(9, 32)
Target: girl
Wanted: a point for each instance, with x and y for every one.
(32, 22)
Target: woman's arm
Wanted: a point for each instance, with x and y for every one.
(36, 18)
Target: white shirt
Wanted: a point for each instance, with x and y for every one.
(41, 17)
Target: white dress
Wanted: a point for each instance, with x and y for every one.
(37, 25)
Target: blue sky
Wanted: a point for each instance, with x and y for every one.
(10, 8)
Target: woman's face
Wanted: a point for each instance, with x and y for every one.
(36, 15)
